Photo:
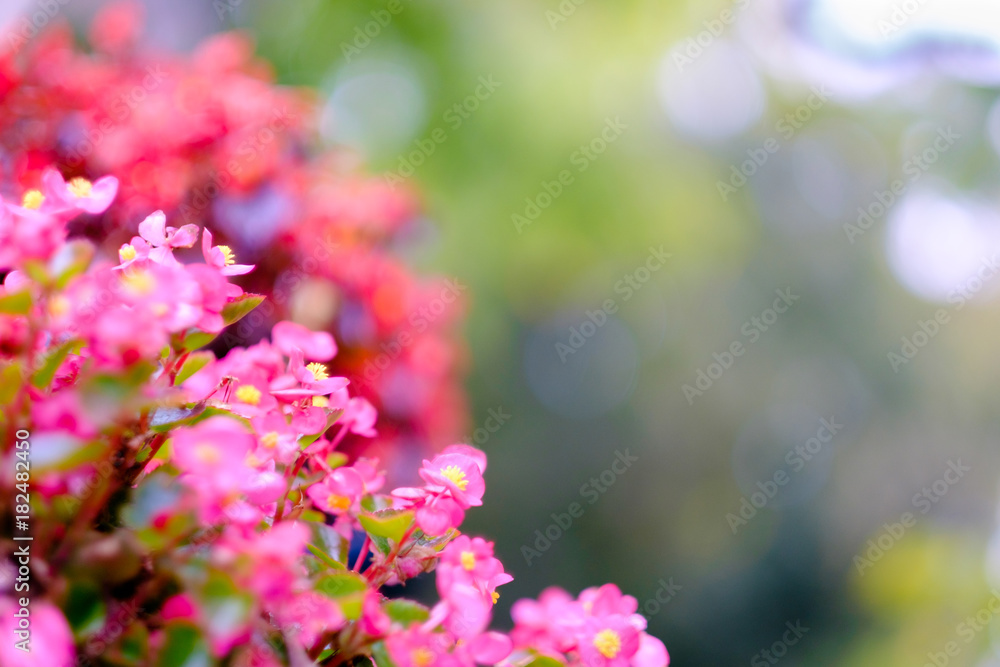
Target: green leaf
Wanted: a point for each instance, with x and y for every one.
(347, 588)
(544, 661)
(17, 303)
(134, 644)
(325, 557)
(195, 339)
(381, 655)
(43, 376)
(194, 363)
(406, 612)
(37, 271)
(183, 647)
(240, 307)
(80, 254)
(84, 609)
(167, 419)
(391, 524)
(11, 379)
(341, 584)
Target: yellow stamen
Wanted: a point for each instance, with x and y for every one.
(140, 282)
(608, 643)
(340, 503)
(469, 560)
(58, 305)
(422, 657)
(80, 187)
(496, 596)
(126, 253)
(318, 370)
(455, 474)
(32, 199)
(269, 440)
(248, 394)
(321, 402)
(207, 453)
(227, 254)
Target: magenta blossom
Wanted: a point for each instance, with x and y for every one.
(78, 195)
(457, 474)
(221, 257)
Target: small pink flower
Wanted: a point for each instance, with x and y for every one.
(439, 515)
(651, 653)
(418, 648)
(339, 493)
(459, 475)
(79, 194)
(609, 642)
(51, 641)
(155, 231)
(221, 257)
(467, 578)
(308, 616)
(314, 345)
(374, 622)
(360, 416)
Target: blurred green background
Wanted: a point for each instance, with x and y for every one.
(697, 90)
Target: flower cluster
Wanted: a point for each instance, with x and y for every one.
(212, 496)
(209, 139)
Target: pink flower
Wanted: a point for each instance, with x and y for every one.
(302, 381)
(548, 624)
(221, 257)
(212, 455)
(467, 578)
(28, 234)
(651, 653)
(154, 229)
(439, 515)
(373, 622)
(308, 616)
(609, 642)
(314, 345)
(339, 492)
(418, 648)
(50, 642)
(79, 194)
(459, 475)
(360, 417)
(489, 648)
(468, 450)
